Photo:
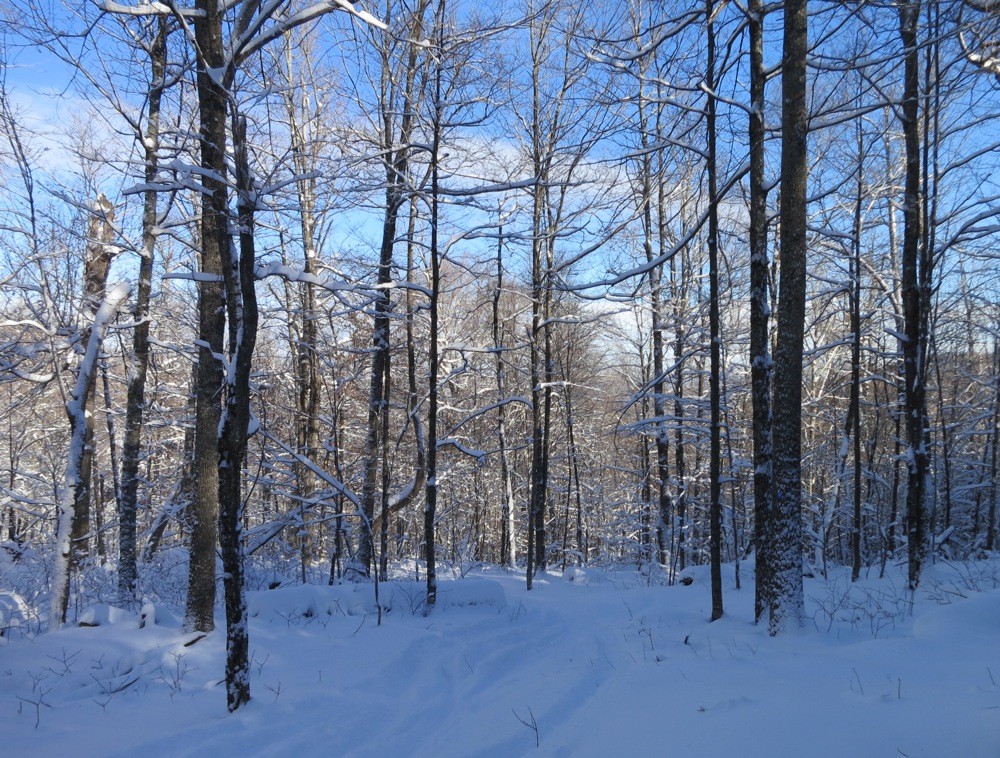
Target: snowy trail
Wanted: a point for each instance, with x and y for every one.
(605, 669)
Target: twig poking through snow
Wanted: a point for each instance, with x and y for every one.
(533, 725)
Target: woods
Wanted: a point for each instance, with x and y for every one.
(335, 293)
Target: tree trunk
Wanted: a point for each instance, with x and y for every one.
(304, 348)
(508, 551)
(430, 503)
(135, 404)
(76, 459)
(215, 244)
(991, 511)
(99, 253)
(853, 425)
(760, 311)
(783, 574)
(715, 354)
(913, 297)
(241, 306)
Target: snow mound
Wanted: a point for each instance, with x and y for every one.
(309, 600)
(14, 613)
(157, 615)
(584, 576)
(104, 615)
(977, 616)
(467, 592)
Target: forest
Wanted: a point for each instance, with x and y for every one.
(324, 293)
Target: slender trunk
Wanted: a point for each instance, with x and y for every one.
(853, 425)
(430, 504)
(304, 349)
(138, 368)
(898, 404)
(991, 511)
(508, 552)
(678, 294)
(377, 399)
(339, 539)
(99, 253)
(109, 425)
(241, 306)
(661, 430)
(539, 339)
(760, 311)
(913, 300)
(946, 440)
(715, 357)
(383, 519)
(397, 153)
(574, 477)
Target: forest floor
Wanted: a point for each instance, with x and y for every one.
(588, 663)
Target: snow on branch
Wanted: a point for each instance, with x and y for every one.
(147, 9)
(334, 483)
(479, 455)
(477, 413)
(298, 274)
(255, 38)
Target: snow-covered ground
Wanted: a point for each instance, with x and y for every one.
(586, 664)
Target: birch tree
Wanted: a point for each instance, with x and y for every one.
(75, 484)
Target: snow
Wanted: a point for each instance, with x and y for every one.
(603, 663)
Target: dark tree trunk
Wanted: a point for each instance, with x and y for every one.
(991, 511)
(651, 232)
(915, 300)
(853, 426)
(135, 404)
(241, 305)
(507, 549)
(760, 352)
(215, 244)
(430, 503)
(715, 354)
(783, 574)
(679, 293)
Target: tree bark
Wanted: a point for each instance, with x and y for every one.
(241, 305)
(913, 271)
(135, 404)
(715, 347)
(783, 574)
(76, 459)
(508, 551)
(215, 242)
(760, 312)
(99, 254)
